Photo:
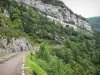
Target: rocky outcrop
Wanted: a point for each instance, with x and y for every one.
(6, 14)
(60, 12)
(14, 45)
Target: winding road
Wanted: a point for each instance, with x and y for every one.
(13, 65)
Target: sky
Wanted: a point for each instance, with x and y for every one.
(86, 8)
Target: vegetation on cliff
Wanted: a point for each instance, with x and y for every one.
(63, 51)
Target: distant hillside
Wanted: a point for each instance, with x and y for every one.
(94, 22)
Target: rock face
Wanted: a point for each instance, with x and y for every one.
(60, 12)
(14, 45)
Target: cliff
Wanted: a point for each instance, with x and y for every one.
(14, 44)
(60, 12)
(18, 20)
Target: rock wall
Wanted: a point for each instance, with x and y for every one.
(14, 45)
(60, 12)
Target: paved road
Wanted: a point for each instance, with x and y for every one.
(13, 65)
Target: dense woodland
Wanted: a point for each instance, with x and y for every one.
(63, 51)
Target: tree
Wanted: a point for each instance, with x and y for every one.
(68, 43)
(44, 52)
(78, 69)
(27, 24)
(4, 3)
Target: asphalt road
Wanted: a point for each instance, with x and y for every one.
(12, 66)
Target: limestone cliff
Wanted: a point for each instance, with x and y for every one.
(14, 44)
(60, 13)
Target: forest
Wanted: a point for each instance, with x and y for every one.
(63, 51)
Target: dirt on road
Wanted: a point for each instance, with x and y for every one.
(12, 66)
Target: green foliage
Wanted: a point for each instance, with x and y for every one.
(44, 52)
(34, 67)
(65, 51)
(75, 57)
(4, 3)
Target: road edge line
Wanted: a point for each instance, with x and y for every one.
(23, 66)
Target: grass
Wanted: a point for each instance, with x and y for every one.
(33, 69)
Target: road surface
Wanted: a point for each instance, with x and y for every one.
(12, 66)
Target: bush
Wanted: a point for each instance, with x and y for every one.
(44, 52)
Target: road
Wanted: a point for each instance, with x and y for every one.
(12, 66)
